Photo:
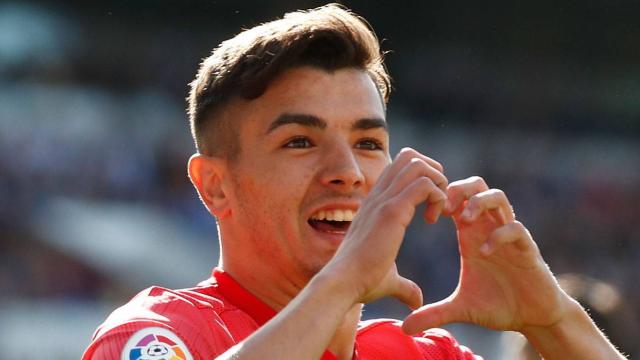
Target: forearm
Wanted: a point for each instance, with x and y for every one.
(574, 337)
(304, 328)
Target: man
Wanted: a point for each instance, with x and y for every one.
(293, 161)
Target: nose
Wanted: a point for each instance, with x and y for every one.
(341, 169)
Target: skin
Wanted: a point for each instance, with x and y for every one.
(288, 169)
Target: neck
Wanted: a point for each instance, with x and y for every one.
(277, 290)
(262, 281)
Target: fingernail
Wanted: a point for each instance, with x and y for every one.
(466, 214)
(447, 206)
(485, 248)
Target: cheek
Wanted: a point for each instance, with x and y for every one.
(275, 190)
(285, 180)
(268, 188)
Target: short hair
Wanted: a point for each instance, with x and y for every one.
(330, 37)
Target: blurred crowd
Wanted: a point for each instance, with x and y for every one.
(92, 109)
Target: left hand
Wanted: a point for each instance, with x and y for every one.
(504, 282)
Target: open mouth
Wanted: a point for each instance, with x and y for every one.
(332, 221)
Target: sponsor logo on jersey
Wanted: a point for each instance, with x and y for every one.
(155, 343)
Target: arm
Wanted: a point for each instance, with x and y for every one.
(576, 337)
(505, 284)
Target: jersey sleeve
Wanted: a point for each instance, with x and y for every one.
(384, 339)
(440, 344)
(160, 324)
(135, 340)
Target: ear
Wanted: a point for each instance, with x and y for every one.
(206, 174)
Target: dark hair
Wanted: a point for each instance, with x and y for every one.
(329, 37)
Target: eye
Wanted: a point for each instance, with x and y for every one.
(369, 144)
(299, 142)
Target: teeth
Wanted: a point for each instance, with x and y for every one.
(349, 215)
(334, 215)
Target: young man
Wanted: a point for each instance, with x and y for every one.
(293, 161)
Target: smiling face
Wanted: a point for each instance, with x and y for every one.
(311, 148)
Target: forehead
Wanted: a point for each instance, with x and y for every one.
(340, 97)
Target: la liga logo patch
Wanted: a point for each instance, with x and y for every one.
(155, 343)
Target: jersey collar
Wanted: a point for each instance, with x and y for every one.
(247, 302)
(242, 298)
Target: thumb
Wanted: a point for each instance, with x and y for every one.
(408, 292)
(432, 315)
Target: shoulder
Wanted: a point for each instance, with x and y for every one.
(384, 338)
(163, 306)
(191, 321)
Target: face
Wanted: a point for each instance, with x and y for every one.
(311, 149)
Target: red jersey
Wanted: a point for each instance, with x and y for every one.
(203, 322)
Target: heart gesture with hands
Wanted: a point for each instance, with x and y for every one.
(504, 282)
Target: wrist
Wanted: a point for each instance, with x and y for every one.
(574, 335)
(572, 314)
(333, 284)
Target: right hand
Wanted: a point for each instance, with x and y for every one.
(366, 259)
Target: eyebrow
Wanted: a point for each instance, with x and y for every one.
(300, 119)
(370, 123)
(316, 122)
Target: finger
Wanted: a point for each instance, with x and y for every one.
(435, 205)
(411, 153)
(421, 190)
(459, 191)
(404, 157)
(433, 315)
(408, 292)
(512, 233)
(494, 201)
(414, 169)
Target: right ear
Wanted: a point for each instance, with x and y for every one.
(206, 174)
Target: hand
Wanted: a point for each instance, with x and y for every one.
(504, 283)
(366, 259)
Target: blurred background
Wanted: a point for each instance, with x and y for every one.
(541, 98)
